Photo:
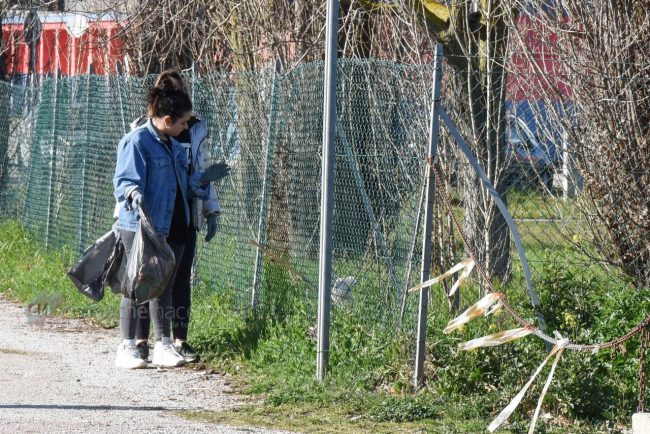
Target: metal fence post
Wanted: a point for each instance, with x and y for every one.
(195, 77)
(434, 133)
(194, 272)
(83, 142)
(50, 188)
(82, 200)
(120, 73)
(327, 191)
(268, 170)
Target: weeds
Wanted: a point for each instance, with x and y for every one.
(369, 384)
(37, 278)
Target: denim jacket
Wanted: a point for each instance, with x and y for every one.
(145, 163)
(200, 207)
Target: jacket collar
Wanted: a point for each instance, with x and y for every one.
(153, 130)
(156, 134)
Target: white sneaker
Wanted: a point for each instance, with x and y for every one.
(165, 355)
(128, 357)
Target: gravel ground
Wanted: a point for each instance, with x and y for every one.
(58, 376)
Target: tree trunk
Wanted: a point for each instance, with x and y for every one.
(478, 83)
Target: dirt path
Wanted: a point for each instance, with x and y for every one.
(58, 376)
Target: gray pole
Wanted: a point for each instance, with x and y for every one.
(118, 77)
(195, 77)
(268, 169)
(82, 198)
(50, 188)
(83, 145)
(434, 133)
(327, 191)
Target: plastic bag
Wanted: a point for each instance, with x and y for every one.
(97, 265)
(115, 268)
(151, 263)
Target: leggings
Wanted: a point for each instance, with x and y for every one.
(161, 306)
(180, 293)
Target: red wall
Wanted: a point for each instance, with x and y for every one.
(58, 49)
(531, 75)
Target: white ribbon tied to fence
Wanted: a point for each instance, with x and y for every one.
(484, 306)
(510, 408)
(464, 275)
(462, 265)
(496, 339)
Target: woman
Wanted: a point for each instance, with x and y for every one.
(151, 172)
(201, 208)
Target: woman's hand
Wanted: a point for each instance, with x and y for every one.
(137, 199)
(214, 173)
(213, 224)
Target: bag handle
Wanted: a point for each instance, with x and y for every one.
(146, 222)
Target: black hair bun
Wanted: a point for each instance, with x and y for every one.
(170, 81)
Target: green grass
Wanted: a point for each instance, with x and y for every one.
(316, 418)
(272, 354)
(34, 275)
(529, 204)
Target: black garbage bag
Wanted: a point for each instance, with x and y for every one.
(98, 267)
(115, 268)
(151, 263)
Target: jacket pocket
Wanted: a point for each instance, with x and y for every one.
(158, 163)
(159, 172)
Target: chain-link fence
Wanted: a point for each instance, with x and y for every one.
(58, 148)
(59, 160)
